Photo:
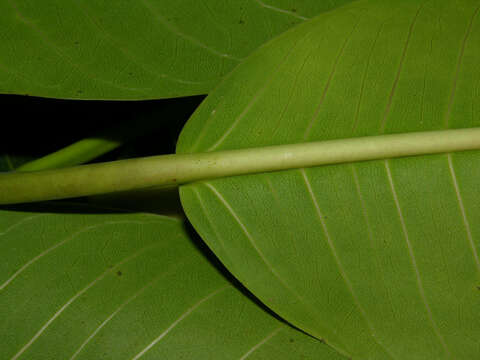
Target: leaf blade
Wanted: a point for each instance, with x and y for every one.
(117, 286)
(146, 49)
(374, 249)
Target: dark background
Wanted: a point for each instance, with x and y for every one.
(33, 127)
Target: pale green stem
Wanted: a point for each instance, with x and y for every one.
(168, 170)
(77, 153)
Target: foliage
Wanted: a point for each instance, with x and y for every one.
(362, 260)
(145, 49)
(127, 285)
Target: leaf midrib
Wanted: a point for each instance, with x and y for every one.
(174, 170)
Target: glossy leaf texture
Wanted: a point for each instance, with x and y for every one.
(132, 49)
(379, 258)
(77, 283)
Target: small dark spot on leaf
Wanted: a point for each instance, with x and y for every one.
(76, 42)
(174, 180)
(294, 10)
(241, 22)
(79, 91)
(119, 273)
(478, 287)
(291, 340)
(130, 73)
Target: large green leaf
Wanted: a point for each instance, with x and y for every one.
(135, 49)
(81, 284)
(380, 258)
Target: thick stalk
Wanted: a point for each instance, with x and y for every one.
(171, 170)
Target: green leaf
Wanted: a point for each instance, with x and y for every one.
(81, 283)
(379, 258)
(135, 49)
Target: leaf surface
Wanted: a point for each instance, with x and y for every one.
(135, 49)
(379, 258)
(76, 283)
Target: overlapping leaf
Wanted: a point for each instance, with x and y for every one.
(76, 283)
(135, 49)
(380, 258)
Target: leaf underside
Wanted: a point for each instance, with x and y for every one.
(141, 49)
(76, 283)
(380, 258)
